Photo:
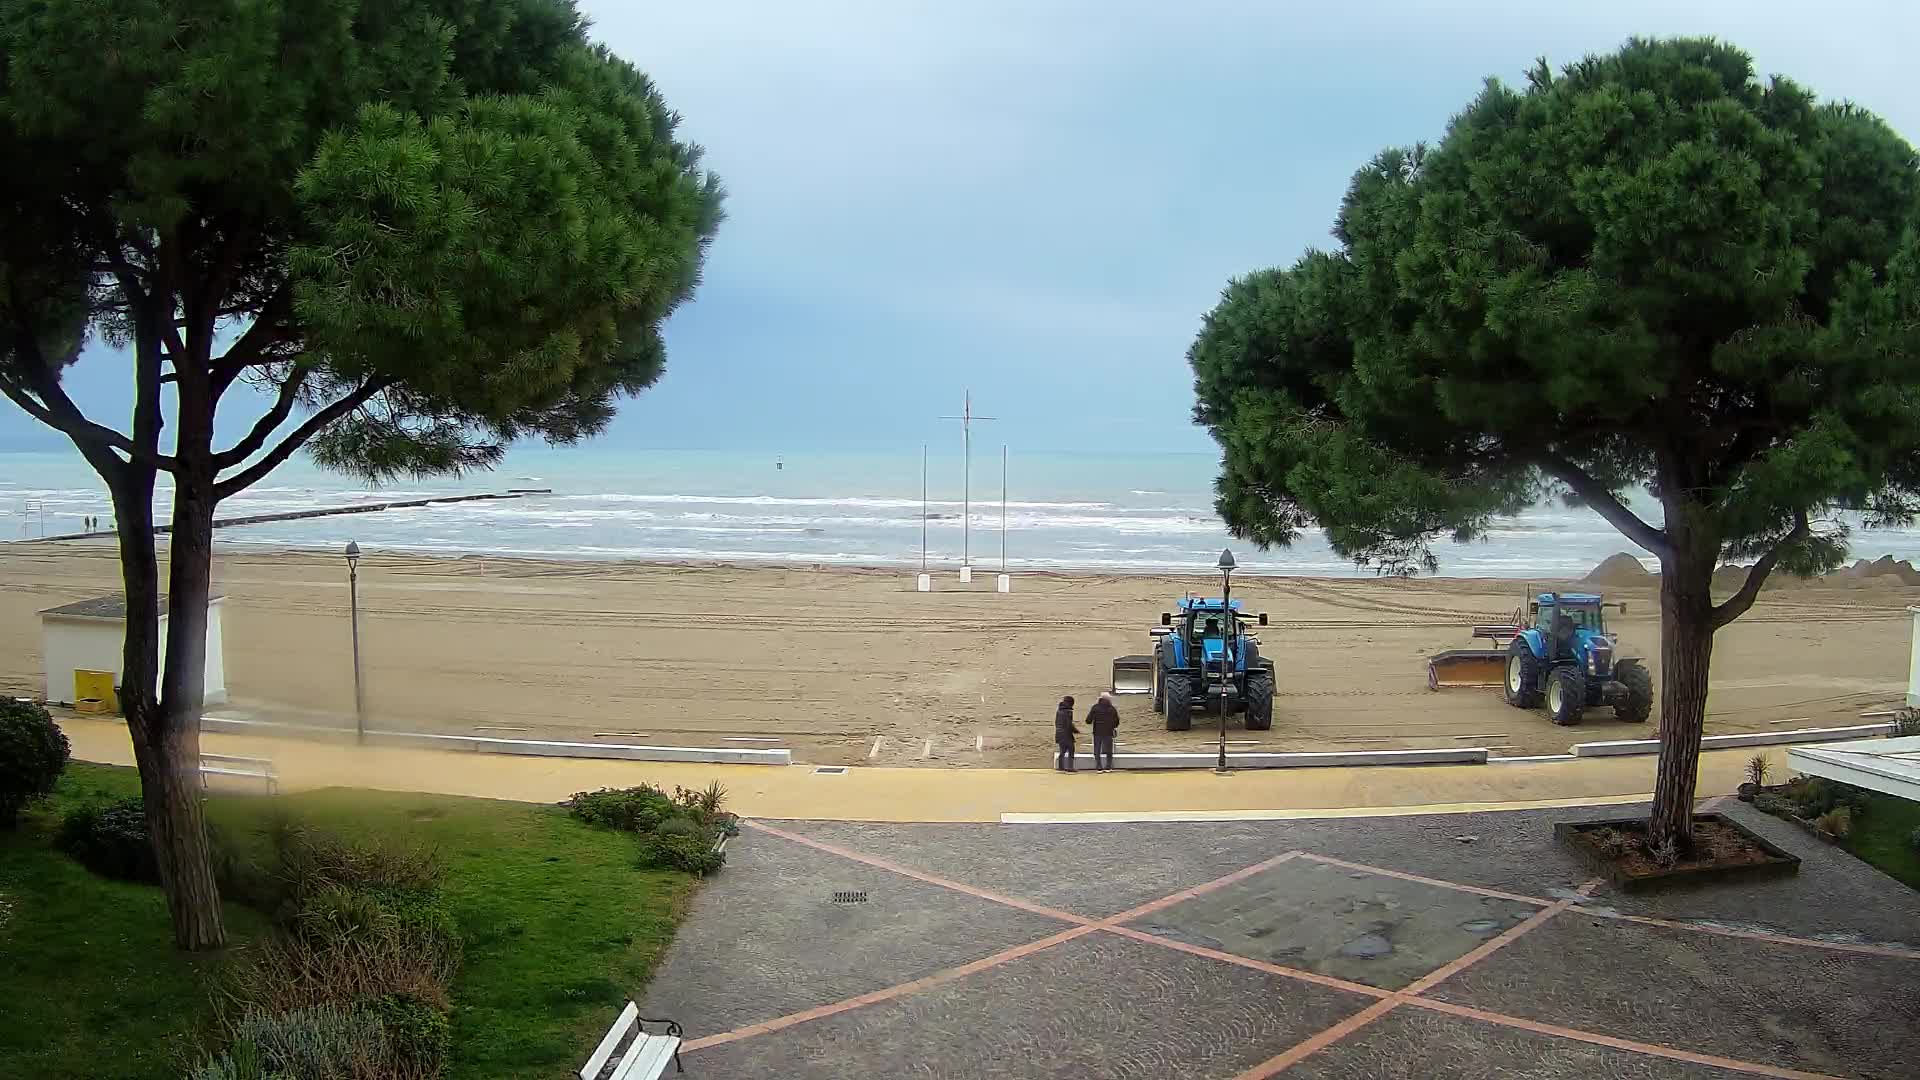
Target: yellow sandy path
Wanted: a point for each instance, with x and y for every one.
(909, 794)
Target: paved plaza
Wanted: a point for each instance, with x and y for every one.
(1458, 945)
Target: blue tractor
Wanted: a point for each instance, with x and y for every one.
(1203, 657)
(1567, 658)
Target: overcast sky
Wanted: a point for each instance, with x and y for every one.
(1039, 200)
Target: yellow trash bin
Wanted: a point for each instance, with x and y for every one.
(95, 686)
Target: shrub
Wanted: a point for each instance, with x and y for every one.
(1837, 822)
(1906, 722)
(681, 826)
(1913, 839)
(1778, 805)
(291, 971)
(677, 851)
(292, 862)
(360, 922)
(323, 1043)
(417, 1032)
(33, 752)
(1757, 769)
(111, 840)
(1816, 795)
(634, 809)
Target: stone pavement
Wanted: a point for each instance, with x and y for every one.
(1458, 945)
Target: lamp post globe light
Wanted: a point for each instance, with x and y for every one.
(353, 609)
(1229, 636)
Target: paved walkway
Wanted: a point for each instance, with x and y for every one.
(1464, 945)
(936, 794)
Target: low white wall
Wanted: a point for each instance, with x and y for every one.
(483, 745)
(1624, 747)
(1473, 755)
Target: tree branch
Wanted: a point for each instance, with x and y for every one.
(1596, 495)
(56, 410)
(1737, 604)
(313, 426)
(265, 426)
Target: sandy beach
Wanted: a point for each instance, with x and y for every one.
(852, 666)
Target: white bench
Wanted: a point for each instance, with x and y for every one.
(251, 768)
(643, 1057)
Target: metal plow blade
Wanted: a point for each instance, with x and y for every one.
(1467, 667)
(1133, 674)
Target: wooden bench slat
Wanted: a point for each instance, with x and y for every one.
(647, 1058)
(629, 1016)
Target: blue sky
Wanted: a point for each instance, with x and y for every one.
(1040, 200)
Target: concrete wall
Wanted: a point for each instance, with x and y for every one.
(485, 745)
(1453, 755)
(1624, 747)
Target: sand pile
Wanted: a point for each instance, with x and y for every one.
(1884, 566)
(1618, 571)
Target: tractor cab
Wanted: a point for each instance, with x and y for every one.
(1201, 625)
(1573, 627)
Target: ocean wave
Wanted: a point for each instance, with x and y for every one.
(878, 502)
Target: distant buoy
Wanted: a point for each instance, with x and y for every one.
(778, 465)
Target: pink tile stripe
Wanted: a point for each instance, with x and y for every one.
(886, 994)
(919, 875)
(1596, 1039)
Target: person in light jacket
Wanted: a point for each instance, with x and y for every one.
(1063, 733)
(1104, 719)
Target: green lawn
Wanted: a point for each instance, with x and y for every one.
(1882, 837)
(560, 929)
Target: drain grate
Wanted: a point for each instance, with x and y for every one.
(829, 770)
(849, 896)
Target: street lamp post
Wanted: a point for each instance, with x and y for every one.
(1229, 635)
(353, 608)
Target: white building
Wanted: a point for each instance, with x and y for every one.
(89, 635)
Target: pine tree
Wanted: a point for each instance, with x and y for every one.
(425, 227)
(1651, 270)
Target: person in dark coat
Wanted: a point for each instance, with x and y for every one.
(1063, 733)
(1104, 719)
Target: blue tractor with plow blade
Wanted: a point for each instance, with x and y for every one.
(1560, 655)
(1202, 656)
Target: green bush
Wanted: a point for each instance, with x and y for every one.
(360, 923)
(1837, 823)
(1778, 805)
(292, 862)
(111, 840)
(677, 851)
(1913, 839)
(324, 1043)
(681, 826)
(1815, 796)
(33, 752)
(634, 809)
(417, 1032)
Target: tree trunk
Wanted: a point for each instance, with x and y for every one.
(1686, 657)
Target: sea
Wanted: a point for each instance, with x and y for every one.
(1108, 513)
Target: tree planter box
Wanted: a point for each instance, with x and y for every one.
(1577, 837)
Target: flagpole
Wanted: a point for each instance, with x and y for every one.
(1003, 508)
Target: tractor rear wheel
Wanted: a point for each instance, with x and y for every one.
(1179, 691)
(1522, 686)
(1566, 696)
(1639, 683)
(1260, 699)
